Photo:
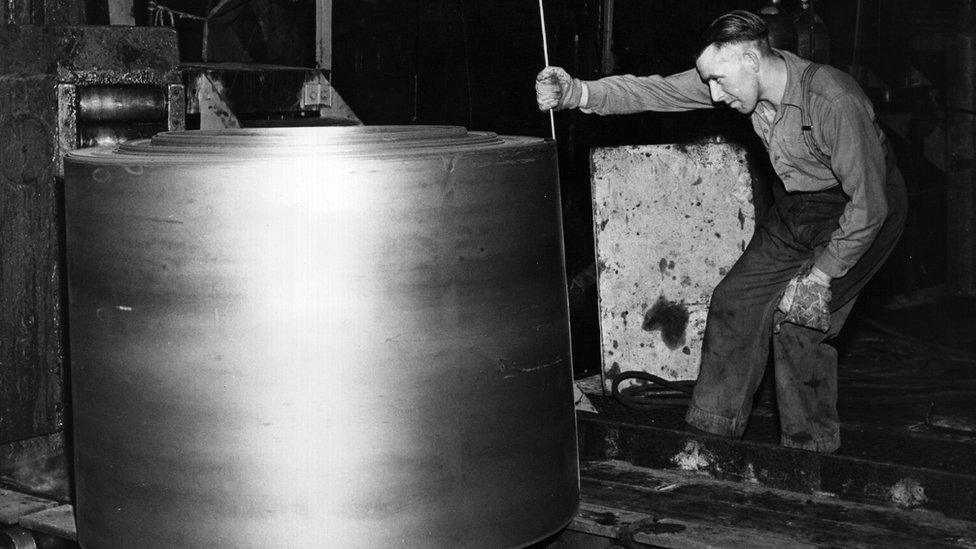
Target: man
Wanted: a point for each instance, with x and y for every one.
(837, 216)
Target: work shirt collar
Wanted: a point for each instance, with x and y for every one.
(795, 66)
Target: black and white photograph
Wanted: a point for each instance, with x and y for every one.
(487, 274)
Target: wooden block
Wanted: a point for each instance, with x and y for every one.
(56, 521)
(630, 526)
(14, 505)
(593, 518)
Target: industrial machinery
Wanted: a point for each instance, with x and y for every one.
(306, 337)
(233, 95)
(106, 99)
(61, 88)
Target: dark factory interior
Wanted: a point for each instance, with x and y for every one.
(333, 273)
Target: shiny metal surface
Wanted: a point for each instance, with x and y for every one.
(320, 337)
(112, 133)
(120, 103)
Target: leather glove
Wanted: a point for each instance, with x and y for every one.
(806, 301)
(556, 89)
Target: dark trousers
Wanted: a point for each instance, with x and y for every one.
(742, 312)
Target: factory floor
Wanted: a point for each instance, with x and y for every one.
(907, 383)
(624, 506)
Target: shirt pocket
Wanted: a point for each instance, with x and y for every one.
(786, 156)
(799, 161)
(795, 150)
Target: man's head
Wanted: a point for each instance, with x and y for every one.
(733, 49)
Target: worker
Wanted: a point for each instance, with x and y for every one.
(837, 214)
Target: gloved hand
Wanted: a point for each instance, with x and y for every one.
(806, 301)
(556, 89)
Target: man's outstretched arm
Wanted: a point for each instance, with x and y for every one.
(622, 94)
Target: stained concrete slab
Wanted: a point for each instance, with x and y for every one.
(669, 222)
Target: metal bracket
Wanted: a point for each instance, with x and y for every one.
(176, 119)
(215, 112)
(316, 92)
(67, 131)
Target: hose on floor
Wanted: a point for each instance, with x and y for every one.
(647, 395)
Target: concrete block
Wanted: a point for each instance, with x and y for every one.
(669, 222)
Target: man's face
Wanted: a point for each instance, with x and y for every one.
(732, 79)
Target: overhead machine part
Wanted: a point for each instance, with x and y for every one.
(115, 83)
(230, 95)
(317, 337)
(113, 114)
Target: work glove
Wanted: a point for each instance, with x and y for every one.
(556, 89)
(806, 301)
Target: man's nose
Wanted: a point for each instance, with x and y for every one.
(716, 91)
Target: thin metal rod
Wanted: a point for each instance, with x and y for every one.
(545, 56)
(857, 39)
(545, 40)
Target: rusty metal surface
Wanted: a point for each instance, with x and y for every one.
(355, 335)
(22, 12)
(65, 12)
(91, 55)
(41, 70)
(43, 12)
(669, 221)
(961, 138)
(30, 284)
(37, 465)
(176, 117)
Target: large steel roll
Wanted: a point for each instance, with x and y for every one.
(319, 337)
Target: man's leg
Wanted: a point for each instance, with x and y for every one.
(806, 384)
(805, 361)
(736, 342)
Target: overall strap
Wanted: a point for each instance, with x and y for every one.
(806, 120)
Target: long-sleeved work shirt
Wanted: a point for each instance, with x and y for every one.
(844, 126)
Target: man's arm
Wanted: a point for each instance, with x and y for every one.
(556, 89)
(625, 94)
(857, 158)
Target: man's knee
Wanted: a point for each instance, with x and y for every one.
(723, 295)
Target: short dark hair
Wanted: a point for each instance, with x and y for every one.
(736, 27)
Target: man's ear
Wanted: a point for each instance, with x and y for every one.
(751, 59)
